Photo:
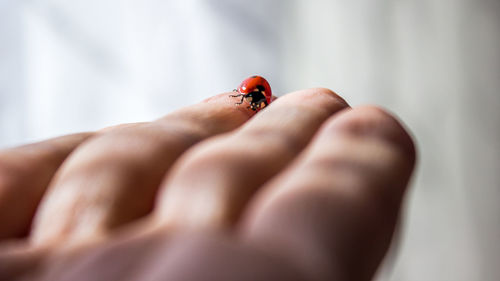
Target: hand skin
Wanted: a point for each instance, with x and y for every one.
(307, 189)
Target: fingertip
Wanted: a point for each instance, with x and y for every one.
(331, 93)
(316, 99)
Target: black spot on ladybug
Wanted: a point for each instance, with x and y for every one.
(261, 88)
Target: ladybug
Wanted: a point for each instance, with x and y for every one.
(256, 91)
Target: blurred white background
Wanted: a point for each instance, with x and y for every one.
(68, 66)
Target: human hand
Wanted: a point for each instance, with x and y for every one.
(307, 189)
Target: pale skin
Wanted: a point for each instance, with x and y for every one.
(307, 189)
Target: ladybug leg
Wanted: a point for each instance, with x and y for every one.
(241, 101)
(239, 95)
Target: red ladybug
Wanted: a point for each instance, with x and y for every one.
(256, 91)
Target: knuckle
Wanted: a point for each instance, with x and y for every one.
(318, 99)
(364, 120)
(374, 122)
(325, 93)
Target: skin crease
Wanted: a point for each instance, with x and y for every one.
(306, 189)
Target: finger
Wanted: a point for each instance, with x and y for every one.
(214, 257)
(25, 172)
(334, 210)
(187, 256)
(115, 259)
(211, 183)
(112, 179)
